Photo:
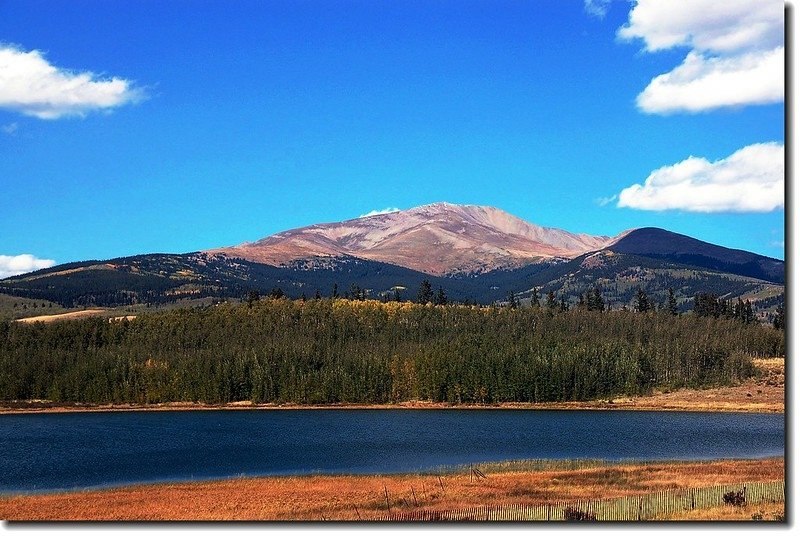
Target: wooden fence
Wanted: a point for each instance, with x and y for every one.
(632, 508)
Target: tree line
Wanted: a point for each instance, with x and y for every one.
(325, 350)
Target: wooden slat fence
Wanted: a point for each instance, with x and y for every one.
(632, 508)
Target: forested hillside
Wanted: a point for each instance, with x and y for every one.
(336, 350)
(157, 280)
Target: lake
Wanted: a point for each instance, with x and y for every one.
(40, 452)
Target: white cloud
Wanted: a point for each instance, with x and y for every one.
(20, 264)
(749, 180)
(701, 83)
(706, 25)
(10, 128)
(603, 201)
(30, 85)
(597, 8)
(376, 212)
(736, 57)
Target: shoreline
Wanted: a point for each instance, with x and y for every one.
(373, 496)
(32, 407)
(765, 394)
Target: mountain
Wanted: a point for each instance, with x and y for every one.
(660, 244)
(164, 278)
(437, 239)
(472, 252)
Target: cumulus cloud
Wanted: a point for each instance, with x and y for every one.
(749, 180)
(376, 212)
(19, 264)
(30, 85)
(736, 57)
(701, 83)
(597, 8)
(712, 25)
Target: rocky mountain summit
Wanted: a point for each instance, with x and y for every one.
(438, 239)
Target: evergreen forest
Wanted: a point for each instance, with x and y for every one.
(325, 350)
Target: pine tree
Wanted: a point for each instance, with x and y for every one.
(706, 304)
(642, 303)
(748, 315)
(512, 300)
(535, 298)
(425, 294)
(672, 303)
(599, 303)
(335, 293)
(779, 322)
(252, 297)
(356, 292)
(551, 300)
(441, 297)
(276, 293)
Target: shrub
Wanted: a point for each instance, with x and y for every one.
(574, 514)
(734, 498)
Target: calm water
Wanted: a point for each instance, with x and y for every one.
(79, 450)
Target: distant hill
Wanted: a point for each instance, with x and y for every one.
(473, 253)
(660, 244)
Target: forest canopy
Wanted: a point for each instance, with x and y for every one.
(325, 350)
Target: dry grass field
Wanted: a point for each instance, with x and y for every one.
(371, 497)
(750, 512)
(763, 394)
(72, 315)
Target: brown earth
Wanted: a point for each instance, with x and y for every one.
(763, 394)
(364, 497)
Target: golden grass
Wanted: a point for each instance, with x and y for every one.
(73, 315)
(751, 512)
(365, 497)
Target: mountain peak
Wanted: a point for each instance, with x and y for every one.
(438, 238)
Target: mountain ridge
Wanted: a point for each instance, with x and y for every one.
(566, 264)
(438, 239)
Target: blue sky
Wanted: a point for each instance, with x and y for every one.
(142, 126)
